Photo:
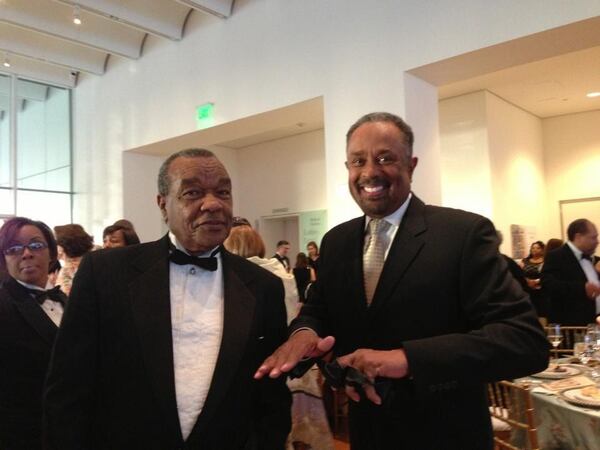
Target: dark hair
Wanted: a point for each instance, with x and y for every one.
(540, 243)
(238, 221)
(580, 226)
(54, 266)
(124, 223)
(12, 226)
(553, 244)
(129, 235)
(301, 261)
(73, 239)
(409, 137)
(163, 173)
(282, 242)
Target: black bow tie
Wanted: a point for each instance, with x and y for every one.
(588, 257)
(53, 294)
(181, 258)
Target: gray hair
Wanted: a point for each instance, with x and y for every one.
(163, 173)
(373, 117)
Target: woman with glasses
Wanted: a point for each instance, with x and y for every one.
(30, 313)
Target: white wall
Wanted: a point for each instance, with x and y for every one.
(492, 162)
(284, 173)
(517, 167)
(273, 53)
(572, 158)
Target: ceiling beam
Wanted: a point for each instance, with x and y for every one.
(37, 71)
(219, 8)
(162, 18)
(44, 16)
(30, 44)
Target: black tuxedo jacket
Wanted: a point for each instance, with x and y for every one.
(564, 281)
(446, 296)
(26, 338)
(111, 382)
(284, 260)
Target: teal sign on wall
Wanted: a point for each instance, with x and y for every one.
(313, 225)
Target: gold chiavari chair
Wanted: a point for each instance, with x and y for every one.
(511, 405)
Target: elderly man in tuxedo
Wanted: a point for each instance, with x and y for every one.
(570, 276)
(417, 300)
(160, 340)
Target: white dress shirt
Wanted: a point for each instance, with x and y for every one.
(54, 310)
(588, 269)
(197, 328)
(394, 220)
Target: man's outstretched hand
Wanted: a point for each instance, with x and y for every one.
(303, 344)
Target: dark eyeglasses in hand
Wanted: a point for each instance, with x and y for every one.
(17, 250)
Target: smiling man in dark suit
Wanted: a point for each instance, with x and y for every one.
(160, 340)
(570, 277)
(418, 300)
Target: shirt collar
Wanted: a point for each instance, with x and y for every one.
(33, 286)
(178, 246)
(396, 217)
(578, 253)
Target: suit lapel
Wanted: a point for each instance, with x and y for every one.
(406, 246)
(151, 308)
(574, 262)
(31, 311)
(239, 309)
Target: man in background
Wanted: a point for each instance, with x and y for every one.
(570, 278)
(283, 248)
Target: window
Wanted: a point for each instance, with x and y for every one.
(35, 152)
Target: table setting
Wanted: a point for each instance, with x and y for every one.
(566, 395)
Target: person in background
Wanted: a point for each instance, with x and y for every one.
(304, 275)
(53, 272)
(160, 340)
(283, 248)
(532, 269)
(310, 429)
(552, 244)
(570, 278)
(244, 241)
(124, 223)
(29, 319)
(74, 242)
(313, 256)
(417, 300)
(115, 236)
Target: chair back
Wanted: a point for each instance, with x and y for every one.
(571, 335)
(511, 404)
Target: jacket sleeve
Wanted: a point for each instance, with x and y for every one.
(504, 338)
(70, 391)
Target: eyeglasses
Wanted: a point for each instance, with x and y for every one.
(18, 250)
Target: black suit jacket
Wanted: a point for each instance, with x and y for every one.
(284, 260)
(446, 296)
(26, 338)
(111, 381)
(564, 281)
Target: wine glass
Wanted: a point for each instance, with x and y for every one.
(555, 336)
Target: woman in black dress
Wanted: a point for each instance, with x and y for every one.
(303, 274)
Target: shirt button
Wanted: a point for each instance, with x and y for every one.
(193, 271)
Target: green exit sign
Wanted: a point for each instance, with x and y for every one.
(205, 115)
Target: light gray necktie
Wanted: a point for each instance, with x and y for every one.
(374, 255)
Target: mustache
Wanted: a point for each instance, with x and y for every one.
(375, 181)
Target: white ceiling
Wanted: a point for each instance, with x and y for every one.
(42, 43)
(546, 88)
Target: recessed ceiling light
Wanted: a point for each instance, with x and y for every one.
(593, 94)
(76, 16)
(6, 62)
